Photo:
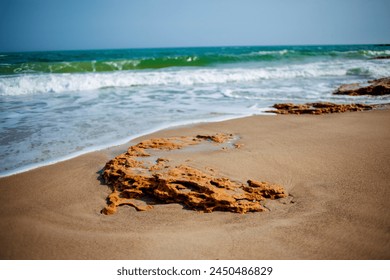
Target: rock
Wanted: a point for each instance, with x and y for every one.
(132, 178)
(382, 57)
(218, 138)
(317, 108)
(375, 87)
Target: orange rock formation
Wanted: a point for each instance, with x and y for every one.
(132, 178)
(318, 108)
(375, 87)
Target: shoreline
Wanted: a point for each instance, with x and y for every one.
(123, 142)
(335, 167)
(177, 125)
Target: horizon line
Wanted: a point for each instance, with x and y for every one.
(194, 47)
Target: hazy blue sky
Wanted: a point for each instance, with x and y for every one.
(92, 24)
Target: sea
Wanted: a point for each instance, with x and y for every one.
(56, 105)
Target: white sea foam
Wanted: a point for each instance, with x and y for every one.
(56, 83)
(280, 52)
(371, 53)
(119, 65)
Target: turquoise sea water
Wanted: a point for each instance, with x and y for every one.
(59, 104)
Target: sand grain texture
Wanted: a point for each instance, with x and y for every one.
(335, 167)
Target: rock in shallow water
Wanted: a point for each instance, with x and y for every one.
(317, 108)
(375, 87)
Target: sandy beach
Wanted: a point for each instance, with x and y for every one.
(335, 168)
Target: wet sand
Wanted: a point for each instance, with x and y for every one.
(335, 168)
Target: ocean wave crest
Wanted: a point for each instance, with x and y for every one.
(56, 83)
(125, 60)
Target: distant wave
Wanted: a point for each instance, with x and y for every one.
(201, 59)
(100, 66)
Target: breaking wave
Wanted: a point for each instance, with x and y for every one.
(56, 83)
(123, 60)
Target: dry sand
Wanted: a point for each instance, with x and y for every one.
(335, 167)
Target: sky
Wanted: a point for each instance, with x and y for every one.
(35, 25)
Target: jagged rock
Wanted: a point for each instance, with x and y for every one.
(317, 108)
(382, 57)
(132, 178)
(375, 87)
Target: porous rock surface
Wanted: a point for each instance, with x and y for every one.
(132, 179)
(374, 87)
(318, 108)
